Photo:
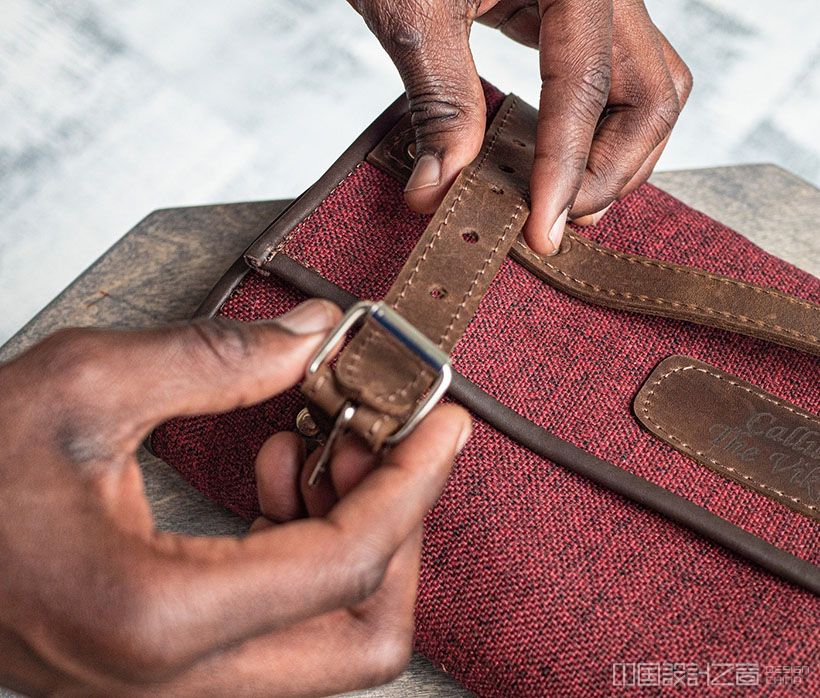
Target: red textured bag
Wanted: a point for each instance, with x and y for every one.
(638, 505)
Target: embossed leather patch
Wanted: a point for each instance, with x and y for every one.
(736, 429)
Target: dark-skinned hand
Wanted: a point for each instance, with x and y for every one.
(95, 601)
(611, 90)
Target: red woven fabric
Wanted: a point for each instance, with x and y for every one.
(535, 582)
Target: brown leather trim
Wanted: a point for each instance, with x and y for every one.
(265, 247)
(521, 430)
(735, 429)
(223, 289)
(596, 274)
(637, 490)
(440, 285)
(631, 487)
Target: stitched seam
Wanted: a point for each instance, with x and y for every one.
(480, 273)
(356, 359)
(374, 428)
(271, 252)
(470, 180)
(630, 259)
(692, 450)
(396, 393)
(665, 301)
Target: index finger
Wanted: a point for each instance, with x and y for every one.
(576, 47)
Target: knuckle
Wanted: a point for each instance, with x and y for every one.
(596, 81)
(83, 421)
(389, 653)
(225, 342)
(440, 105)
(573, 156)
(397, 32)
(365, 567)
(589, 89)
(684, 81)
(663, 113)
(605, 180)
(75, 360)
(430, 49)
(133, 635)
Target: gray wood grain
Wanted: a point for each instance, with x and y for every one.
(162, 269)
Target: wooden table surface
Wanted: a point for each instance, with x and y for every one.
(161, 270)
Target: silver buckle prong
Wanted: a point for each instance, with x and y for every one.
(345, 415)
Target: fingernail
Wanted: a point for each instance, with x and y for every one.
(426, 173)
(598, 216)
(592, 218)
(308, 318)
(466, 431)
(557, 230)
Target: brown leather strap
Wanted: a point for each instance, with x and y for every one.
(614, 279)
(441, 284)
(600, 275)
(449, 270)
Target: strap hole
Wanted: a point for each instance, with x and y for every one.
(470, 236)
(438, 292)
(495, 189)
(519, 143)
(506, 168)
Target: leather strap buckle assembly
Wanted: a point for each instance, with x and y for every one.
(396, 368)
(422, 347)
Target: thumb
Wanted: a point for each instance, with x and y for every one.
(218, 365)
(429, 44)
(140, 378)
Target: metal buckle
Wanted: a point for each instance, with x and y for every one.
(410, 337)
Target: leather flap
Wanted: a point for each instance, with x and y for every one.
(736, 429)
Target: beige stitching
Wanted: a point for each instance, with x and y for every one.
(813, 339)
(481, 273)
(691, 449)
(374, 428)
(631, 259)
(356, 358)
(468, 182)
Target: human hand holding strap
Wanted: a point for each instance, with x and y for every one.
(611, 90)
(95, 600)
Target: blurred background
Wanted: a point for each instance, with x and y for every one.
(112, 108)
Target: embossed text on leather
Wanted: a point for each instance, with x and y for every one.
(736, 429)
